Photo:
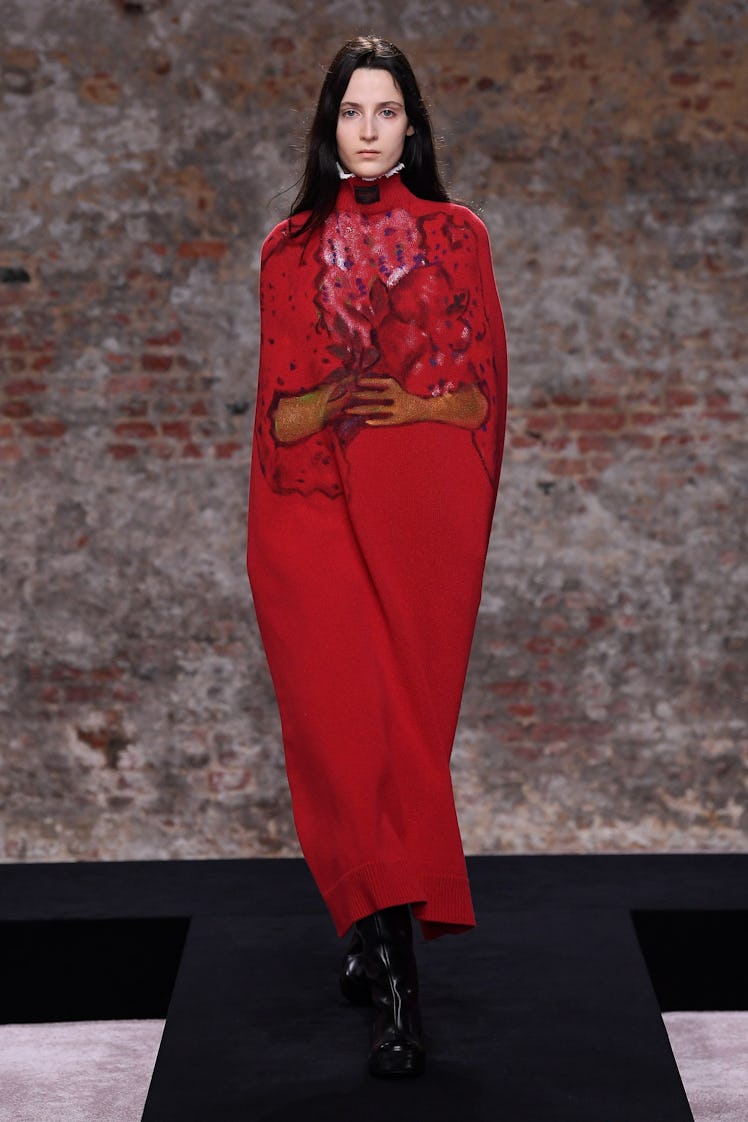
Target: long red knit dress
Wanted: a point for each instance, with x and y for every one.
(366, 545)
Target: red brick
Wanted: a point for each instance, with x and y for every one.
(136, 408)
(681, 78)
(138, 430)
(156, 362)
(129, 384)
(639, 440)
(10, 453)
(164, 449)
(677, 438)
(42, 427)
(541, 422)
(567, 467)
(170, 339)
(536, 645)
(191, 452)
(594, 443)
(566, 399)
(227, 449)
(177, 430)
(557, 444)
(513, 688)
(106, 673)
(604, 401)
(16, 409)
(523, 712)
(23, 386)
(676, 399)
(41, 362)
(212, 250)
(82, 694)
(594, 420)
(122, 451)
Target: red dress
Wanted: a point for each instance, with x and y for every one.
(366, 545)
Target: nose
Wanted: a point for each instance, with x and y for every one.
(368, 126)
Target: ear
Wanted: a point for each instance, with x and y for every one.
(410, 131)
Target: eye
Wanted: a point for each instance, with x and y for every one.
(348, 113)
(389, 113)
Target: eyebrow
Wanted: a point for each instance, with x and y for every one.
(380, 105)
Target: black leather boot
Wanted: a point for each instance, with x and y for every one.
(390, 964)
(354, 984)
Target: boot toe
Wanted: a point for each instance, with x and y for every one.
(397, 1058)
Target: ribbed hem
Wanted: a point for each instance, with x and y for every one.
(442, 904)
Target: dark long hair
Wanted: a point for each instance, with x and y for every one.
(321, 181)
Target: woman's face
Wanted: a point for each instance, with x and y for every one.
(372, 125)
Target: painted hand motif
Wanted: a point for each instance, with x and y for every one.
(303, 415)
(383, 401)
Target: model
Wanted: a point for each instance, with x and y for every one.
(378, 437)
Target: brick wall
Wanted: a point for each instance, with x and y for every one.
(605, 145)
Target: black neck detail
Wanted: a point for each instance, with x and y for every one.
(369, 193)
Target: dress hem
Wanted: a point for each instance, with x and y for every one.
(441, 902)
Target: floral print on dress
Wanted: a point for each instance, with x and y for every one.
(392, 295)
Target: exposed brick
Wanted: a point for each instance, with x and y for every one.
(23, 386)
(541, 422)
(594, 421)
(130, 384)
(211, 250)
(226, 449)
(156, 362)
(44, 427)
(681, 78)
(16, 409)
(176, 430)
(136, 430)
(680, 399)
(122, 451)
(518, 688)
(613, 584)
(594, 443)
(570, 467)
(169, 339)
(566, 399)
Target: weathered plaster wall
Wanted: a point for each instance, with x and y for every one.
(606, 145)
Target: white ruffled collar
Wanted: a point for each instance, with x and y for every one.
(368, 178)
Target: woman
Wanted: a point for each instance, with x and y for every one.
(378, 437)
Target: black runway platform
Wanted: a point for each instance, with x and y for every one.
(550, 1011)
